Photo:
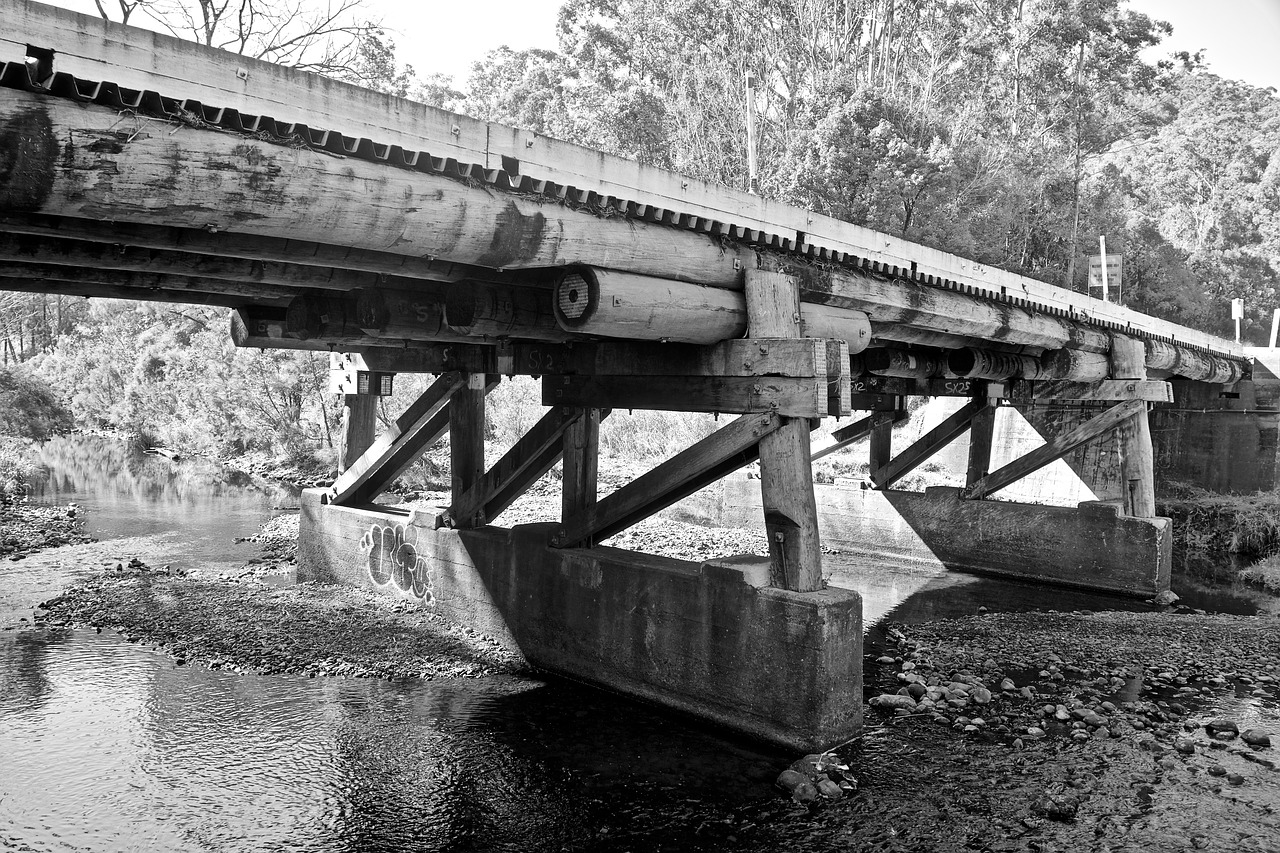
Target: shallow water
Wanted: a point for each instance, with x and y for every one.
(109, 746)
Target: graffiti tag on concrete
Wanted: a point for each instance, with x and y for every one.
(394, 561)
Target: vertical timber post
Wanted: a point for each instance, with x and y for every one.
(881, 445)
(981, 432)
(1133, 435)
(359, 425)
(466, 437)
(786, 476)
(581, 463)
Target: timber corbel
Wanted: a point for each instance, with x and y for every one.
(799, 397)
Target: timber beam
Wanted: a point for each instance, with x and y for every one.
(24, 248)
(109, 282)
(89, 290)
(724, 451)
(794, 397)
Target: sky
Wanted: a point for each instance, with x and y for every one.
(1241, 37)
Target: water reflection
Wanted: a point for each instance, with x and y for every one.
(125, 751)
(204, 505)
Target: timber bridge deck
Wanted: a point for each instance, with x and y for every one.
(411, 239)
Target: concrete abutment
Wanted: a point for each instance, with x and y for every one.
(710, 640)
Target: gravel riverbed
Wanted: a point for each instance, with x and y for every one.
(1035, 731)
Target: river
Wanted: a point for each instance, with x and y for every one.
(109, 746)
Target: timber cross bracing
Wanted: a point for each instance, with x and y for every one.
(333, 218)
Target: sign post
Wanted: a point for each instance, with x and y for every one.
(1106, 274)
(1237, 314)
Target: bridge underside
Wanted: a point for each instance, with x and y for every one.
(411, 240)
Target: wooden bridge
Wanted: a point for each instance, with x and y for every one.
(410, 239)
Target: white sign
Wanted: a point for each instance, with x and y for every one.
(1114, 266)
(1237, 309)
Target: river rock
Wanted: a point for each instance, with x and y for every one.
(1256, 737)
(981, 695)
(788, 780)
(893, 702)
(805, 792)
(1222, 728)
(1057, 804)
(830, 789)
(1186, 746)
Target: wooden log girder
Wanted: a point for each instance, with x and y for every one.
(1054, 449)
(794, 397)
(400, 271)
(90, 290)
(782, 357)
(511, 476)
(722, 452)
(85, 254)
(110, 282)
(420, 426)
(266, 188)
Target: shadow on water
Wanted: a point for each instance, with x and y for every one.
(132, 752)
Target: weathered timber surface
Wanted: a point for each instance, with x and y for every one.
(116, 291)
(29, 249)
(1056, 448)
(402, 271)
(1133, 435)
(153, 172)
(263, 328)
(908, 303)
(796, 397)
(801, 357)
(245, 292)
(622, 305)
(141, 60)
(725, 450)
(488, 310)
(359, 428)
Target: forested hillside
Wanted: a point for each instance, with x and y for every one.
(1013, 132)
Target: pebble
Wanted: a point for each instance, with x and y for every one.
(1222, 728)
(893, 701)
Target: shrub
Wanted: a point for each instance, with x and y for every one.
(28, 409)
(17, 467)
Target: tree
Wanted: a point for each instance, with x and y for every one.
(324, 36)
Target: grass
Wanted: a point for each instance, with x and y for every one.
(1206, 523)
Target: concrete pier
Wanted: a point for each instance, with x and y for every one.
(1092, 546)
(711, 640)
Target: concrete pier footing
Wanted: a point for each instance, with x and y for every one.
(1092, 546)
(711, 639)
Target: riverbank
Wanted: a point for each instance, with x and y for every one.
(27, 529)
(1029, 731)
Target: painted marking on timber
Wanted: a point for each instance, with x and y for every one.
(395, 563)
(27, 162)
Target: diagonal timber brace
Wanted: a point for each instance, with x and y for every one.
(1056, 449)
(927, 445)
(857, 431)
(421, 425)
(527, 460)
(418, 428)
(720, 453)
